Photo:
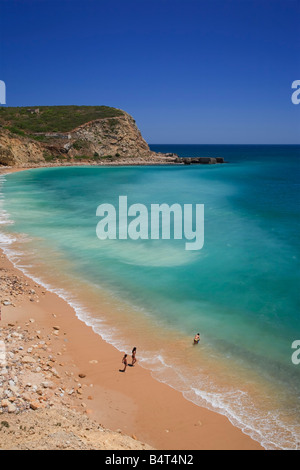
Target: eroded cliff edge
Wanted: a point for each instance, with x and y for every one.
(72, 134)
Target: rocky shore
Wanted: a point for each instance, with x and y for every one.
(43, 404)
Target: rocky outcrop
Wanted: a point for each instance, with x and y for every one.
(117, 137)
(98, 141)
(113, 138)
(200, 160)
(16, 151)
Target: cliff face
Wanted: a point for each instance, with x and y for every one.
(116, 137)
(17, 151)
(105, 139)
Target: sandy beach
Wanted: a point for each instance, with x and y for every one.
(132, 403)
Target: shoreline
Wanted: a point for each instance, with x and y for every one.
(134, 402)
(158, 161)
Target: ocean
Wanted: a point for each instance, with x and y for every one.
(240, 291)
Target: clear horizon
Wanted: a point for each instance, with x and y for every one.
(192, 71)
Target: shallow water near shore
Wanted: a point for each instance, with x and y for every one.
(240, 291)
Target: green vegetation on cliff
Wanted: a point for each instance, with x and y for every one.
(30, 120)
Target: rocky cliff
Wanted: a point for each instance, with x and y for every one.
(28, 137)
(116, 137)
(19, 151)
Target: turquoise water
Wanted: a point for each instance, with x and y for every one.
(241, 291)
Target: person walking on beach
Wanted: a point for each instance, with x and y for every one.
(133, 356)
(197, 338)
(124, 361)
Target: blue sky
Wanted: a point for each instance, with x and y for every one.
(189, 71)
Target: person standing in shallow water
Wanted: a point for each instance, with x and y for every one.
(133, 356)
(197, 338)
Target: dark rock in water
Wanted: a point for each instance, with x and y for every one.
(200, 160)
(206, 160)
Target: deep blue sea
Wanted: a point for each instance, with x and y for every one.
(240, 291)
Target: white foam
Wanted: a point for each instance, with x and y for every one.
(267, 428)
